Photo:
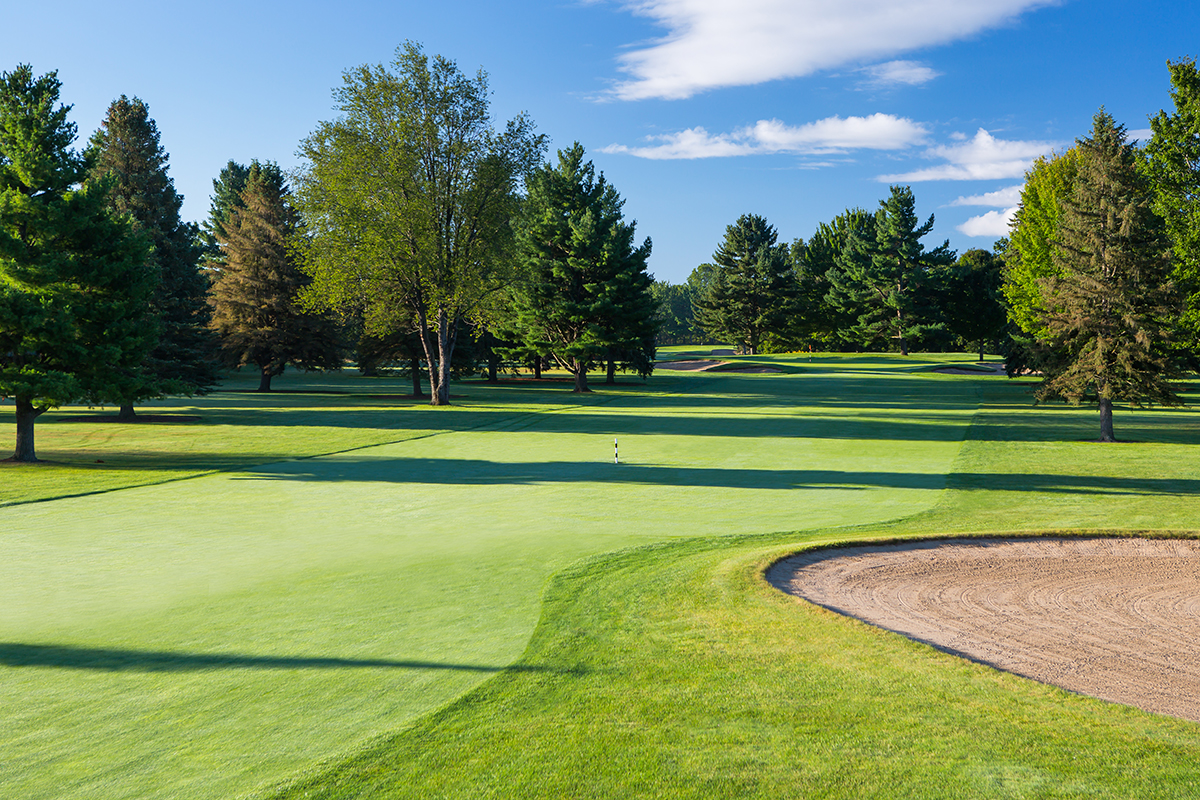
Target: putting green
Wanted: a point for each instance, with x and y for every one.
(216, 635)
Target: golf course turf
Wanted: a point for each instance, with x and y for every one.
(345, 593)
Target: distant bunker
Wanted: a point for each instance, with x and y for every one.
(1117, 619)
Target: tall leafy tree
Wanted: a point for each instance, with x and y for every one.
(585, 293)
(74, 285)
(751, 296)
(407, 198)
(888, 275)
(1172, 160)
(1110, 308)
(255, 308)
(1034, 231)
(126, 150)
(675, 319)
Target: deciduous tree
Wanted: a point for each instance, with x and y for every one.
(407, 198)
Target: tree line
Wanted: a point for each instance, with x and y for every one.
(418, 231)
(422, 233)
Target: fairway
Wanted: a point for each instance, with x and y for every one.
(339, 594)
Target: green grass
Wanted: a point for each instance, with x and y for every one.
(343, 625)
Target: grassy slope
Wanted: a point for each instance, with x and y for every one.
(207, 636)
(673, 671)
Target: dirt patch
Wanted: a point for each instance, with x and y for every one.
(140, 419)
(1117, 619)
(691, 366)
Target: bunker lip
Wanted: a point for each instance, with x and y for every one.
(1113, 618)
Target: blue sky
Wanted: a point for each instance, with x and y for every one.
(697, 111)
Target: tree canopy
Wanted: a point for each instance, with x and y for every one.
(584, 293)
(884, 274)
(256, 312)
(74, 282)
(1110, 306)
(126, 150)
(750, 297)
(406, 199)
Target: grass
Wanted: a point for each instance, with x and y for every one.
(378, 622)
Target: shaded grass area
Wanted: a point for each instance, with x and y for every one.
(346, 622)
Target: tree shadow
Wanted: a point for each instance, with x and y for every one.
(478, 472)
(103, 659)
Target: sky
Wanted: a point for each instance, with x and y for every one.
(697, 111)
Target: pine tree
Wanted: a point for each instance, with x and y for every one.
(886, 274)
(813, 261)
(586, 293)
(1109, 312)
(74, 287)
(255, 311)
(126, 150)
(752, 294)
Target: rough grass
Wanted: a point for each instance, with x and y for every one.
(344, 626)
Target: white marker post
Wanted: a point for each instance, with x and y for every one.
(616, 458)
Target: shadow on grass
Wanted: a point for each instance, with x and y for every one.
(102, 659)
(470, 472)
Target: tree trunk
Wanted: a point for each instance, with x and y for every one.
(611, 377)
(416, 378)
(26, 414)
(264, 380)
(581, 380)
(981, 350)
(446, 333)
(493, 368)
(537, 368)
(127, 413)
(1106, 426)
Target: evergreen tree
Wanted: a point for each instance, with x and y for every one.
(888, 275)
(255, 309)
(585, 295)
(74, 286)
(971, 300)
(813, 262)
(126, 150)
(1110, 309)
(1172, 160)
(752, 294)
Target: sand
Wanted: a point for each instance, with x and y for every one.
(1117, 619)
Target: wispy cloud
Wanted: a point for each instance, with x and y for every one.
(993, 223)
(829, 135)
(898, 73)
(983, 157)
(715, 43)
(1007, 197)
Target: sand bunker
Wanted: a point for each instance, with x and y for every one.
(693, 366)
(1117, 619)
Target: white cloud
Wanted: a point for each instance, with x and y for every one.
(896, 73)
(993, 223)
(1007, 197)
(1141, 134)
(829, 135)
(715, 43)
(983, 157)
